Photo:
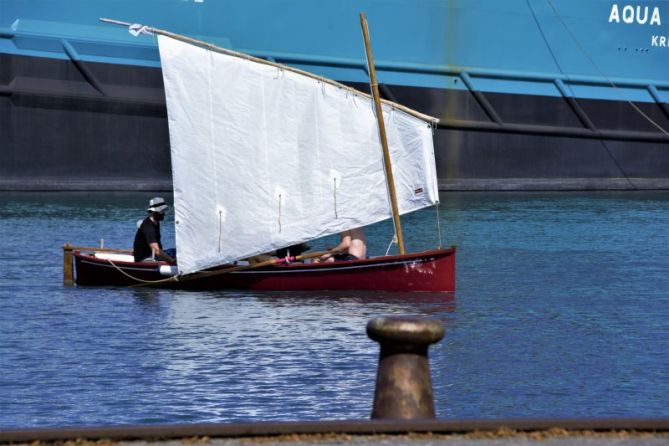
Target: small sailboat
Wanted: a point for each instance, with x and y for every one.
(266, 156)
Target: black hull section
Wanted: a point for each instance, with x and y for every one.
(67, 126)
(76, 126)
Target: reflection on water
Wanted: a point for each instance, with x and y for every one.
(560, 311)
(418, 303)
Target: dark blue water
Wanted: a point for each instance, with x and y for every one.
(561, 310)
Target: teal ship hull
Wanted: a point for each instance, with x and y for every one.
(531, 94)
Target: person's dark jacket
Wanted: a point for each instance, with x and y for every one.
(148, 232)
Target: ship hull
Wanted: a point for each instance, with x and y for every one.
(118, 138)
(530, 94)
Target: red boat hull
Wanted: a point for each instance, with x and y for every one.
(427, 271)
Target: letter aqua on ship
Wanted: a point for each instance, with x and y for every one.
(635, 14)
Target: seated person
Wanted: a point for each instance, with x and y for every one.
(352, 246)
(147, 246)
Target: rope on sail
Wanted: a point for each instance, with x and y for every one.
(220, 229)
(279, 216)
(439, 226)
(335, 197)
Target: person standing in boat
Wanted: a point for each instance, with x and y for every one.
(147, 246)
(352, 246)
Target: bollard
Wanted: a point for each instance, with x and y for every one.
(403, 383)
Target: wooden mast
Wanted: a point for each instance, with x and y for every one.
(382, 133)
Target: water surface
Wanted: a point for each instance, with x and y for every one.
(561, 310)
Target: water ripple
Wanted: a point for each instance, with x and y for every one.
(561, 311)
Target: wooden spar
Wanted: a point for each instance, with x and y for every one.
(87, 249)
(68, 273)
(382, 134)
(270, 262)
(232, 269)
(211, 47)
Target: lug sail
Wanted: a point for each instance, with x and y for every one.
(265, 157)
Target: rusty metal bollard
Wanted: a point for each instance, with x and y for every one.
(403, 382)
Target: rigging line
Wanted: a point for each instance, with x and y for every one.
(615, 161)
(167, 279)
(543, 36)
(392, 240)
(439, 226)
(585, 53)
(568, 85)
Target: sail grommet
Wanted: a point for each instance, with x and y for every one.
(279, 73)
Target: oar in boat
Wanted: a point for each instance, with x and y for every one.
(232, 269)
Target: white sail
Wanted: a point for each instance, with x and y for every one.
(264, 158)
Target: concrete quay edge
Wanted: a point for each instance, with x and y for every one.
(363, 427)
